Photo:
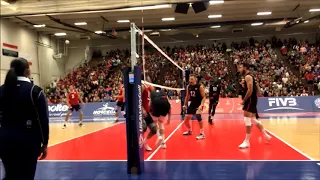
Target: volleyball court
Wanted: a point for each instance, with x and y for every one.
(104, 152)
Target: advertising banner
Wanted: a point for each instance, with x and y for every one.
(107, 111)
(225, 106)
(289, 104)
(92, 110)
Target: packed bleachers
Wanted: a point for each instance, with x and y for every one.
(98, 82)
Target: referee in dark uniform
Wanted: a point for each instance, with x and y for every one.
(24, 123)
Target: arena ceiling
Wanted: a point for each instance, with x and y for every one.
(104, 15)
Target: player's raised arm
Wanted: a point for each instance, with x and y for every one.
(249, 82)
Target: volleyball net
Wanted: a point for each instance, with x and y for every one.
(160, 65)
(154, 66)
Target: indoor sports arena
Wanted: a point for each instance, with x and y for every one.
(114, 54)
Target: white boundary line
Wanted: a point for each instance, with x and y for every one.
(184, 160)
(84, 134)
(172, 133)
(294, 148)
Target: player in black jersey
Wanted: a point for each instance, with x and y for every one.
(214, 94)
(249, 103)
(160, 108)
(196, 95)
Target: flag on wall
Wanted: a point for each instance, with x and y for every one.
(10, 50)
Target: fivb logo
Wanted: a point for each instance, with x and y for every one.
(282, 104)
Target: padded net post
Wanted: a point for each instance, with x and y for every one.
(132, 83)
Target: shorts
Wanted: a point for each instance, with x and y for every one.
(75, 107)
(160, 107)
(121, 105)
(192, 109)
(213, 101)
(250, 105)
(148, 119)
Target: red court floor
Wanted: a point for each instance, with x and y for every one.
(221, 143)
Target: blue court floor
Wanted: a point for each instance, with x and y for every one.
(189, 170)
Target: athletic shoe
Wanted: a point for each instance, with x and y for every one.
(187, 133)
(147, 147)
(163, 146)
(80, 125)
(159, 139)
(245, 144)
(201, 136)
(64, 126)
(267, 137)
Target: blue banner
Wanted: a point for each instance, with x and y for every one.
(91, 110)
(289, 104)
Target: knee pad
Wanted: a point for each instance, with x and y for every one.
(199, 118)
(153, 128)
(247, 121)
(144, 126)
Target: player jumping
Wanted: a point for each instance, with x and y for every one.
(72, 101)
(120, 101)
(160, 108)
(196, 94)
(249, 103)
(214, 94)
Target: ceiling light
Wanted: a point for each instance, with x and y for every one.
(168, 19)
(215, 26)
(264, 13)
(4, 3)
(161, 6)
(60, 34)
(215, 16)
(39, 25)
(306, 21)
(256, 24)
(314, 10)
(216, 2)
(80, 23)
(165, 29)
(98, 32)
(123, 21)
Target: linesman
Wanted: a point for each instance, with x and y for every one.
(24, 123)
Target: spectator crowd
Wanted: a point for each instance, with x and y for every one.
(97, 80)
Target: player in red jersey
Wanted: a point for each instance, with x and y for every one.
(146, 90)
(120, 101)
(72, 101)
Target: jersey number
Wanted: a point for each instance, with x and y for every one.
(214, 88)
(72, 96)
(192, 93)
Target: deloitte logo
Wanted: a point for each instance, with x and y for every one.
(105, 110)
(57, 110)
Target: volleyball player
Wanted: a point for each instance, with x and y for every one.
(149, 123)
(196, 95)
(72, 101)
(214, 94)
(120, 101)
(249, 103)
(160, 108)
